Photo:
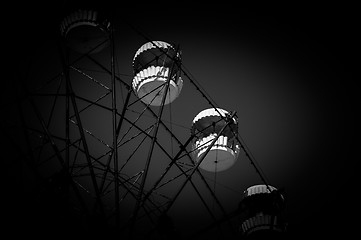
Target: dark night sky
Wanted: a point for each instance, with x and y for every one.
(289, 74)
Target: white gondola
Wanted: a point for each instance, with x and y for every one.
(154, 63)
(225, 150)
(262, 210)
(85, 31)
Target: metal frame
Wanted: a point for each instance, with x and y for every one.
(95, 167)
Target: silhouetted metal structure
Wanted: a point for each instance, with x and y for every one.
(103, 140)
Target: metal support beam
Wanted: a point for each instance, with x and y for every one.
(155, 132)
(81, 130)
(198, 164)
(115, 129)
(168, 168)
(247, 152)
(178, 141)
(57, 153)
(115, 144)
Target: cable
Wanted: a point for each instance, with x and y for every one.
(201, 89)
(253, 161)
(171, 128)
(215, 178)
(164, 120)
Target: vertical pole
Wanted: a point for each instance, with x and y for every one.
(114, 123)
(67, 130)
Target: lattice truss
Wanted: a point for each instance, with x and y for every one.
(74, 116)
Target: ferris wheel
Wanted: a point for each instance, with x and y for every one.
(111, 151)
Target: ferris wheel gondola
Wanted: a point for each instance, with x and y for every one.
(154, 64)
(85, 31)
(224, 153)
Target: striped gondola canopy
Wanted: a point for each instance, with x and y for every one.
(85, 31)
(224, 153)
(262, 209)
(154, 64)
